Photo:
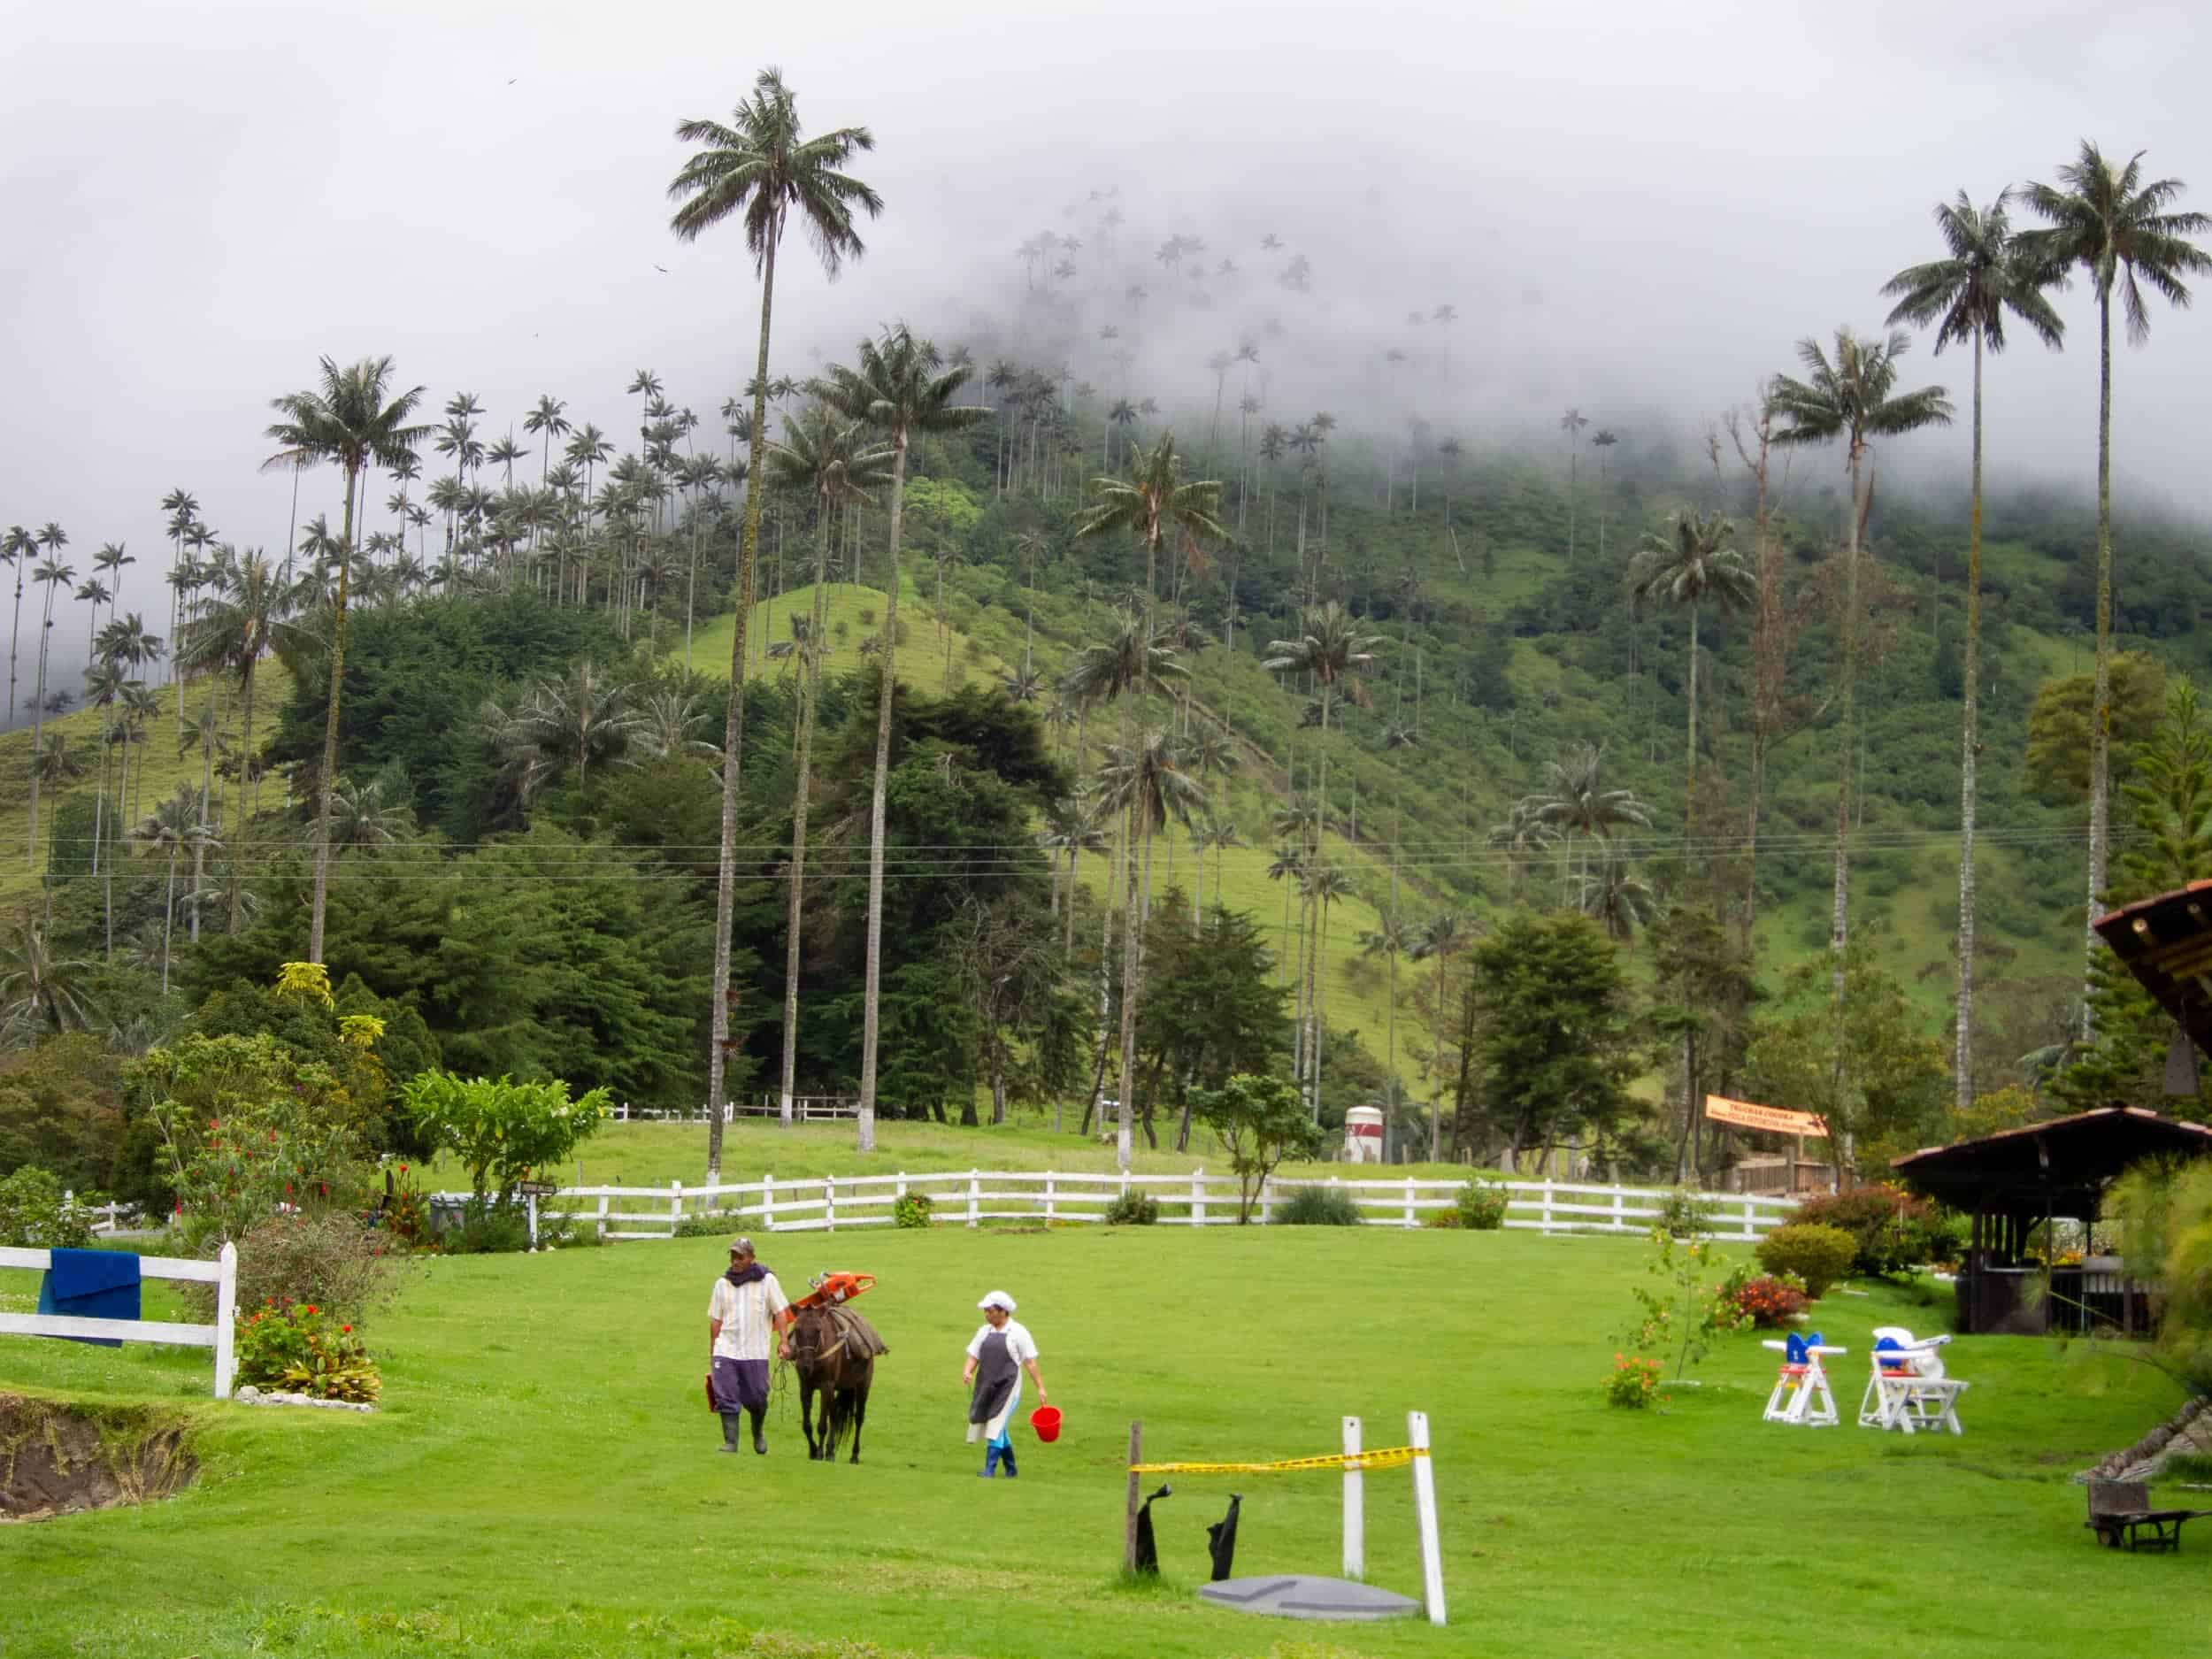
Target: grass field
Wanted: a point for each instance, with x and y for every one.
(541, 1480)
(655, 1154)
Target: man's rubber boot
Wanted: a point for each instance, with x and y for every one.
(1006, 1457)
(729, 1431)
(760, 1439)
(990, 1462)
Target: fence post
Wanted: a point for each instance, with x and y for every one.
(1546, 1222)
(603, 1201)
(768, 1201)
(675, 1208)
(1267, 1201)
(1049, 1195)
(1620, 1216)
(225, 1321)
(1749, 1231)
(532, 1202)
(1129, 1521)
(1198, 1196)
(1354, 1507)
(975, 1194)
(1425, 1512)
(899, 1191)
(829, 1201)
(1411, 1221)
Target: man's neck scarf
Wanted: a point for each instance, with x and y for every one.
(742, 1277)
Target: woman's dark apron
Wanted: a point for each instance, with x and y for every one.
(995, 1375)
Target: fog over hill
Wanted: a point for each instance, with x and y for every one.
(1636, 210)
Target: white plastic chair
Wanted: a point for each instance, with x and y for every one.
(1907, 1387)
(1800, 1396)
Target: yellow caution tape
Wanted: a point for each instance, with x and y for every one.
(1383, 1457)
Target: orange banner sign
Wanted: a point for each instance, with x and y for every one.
(1772, 1119)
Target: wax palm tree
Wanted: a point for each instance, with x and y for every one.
(1693, 562)
(366, 816)
(1602, 441)
(240, 626)
(51, 574)
(582, 719)
(831, 457)
(761, 171)
(167, 831)
(1525, 832)
(1615, 896)
(903, 387)
(1154, 504)
(1217, 836)
(1393, 936)
(1987, 271)
(2122, 230)
(353, 421)
(1571, 423)
(549, 424)
(1325, 886)
(1852, 396)
(40, 994)
(1117, 669)
(1574, 800)
(668, 727)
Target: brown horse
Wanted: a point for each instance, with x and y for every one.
(834, 1354)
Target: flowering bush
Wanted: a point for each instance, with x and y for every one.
(301, 1347)
(1891, 1229)
(326, 1258)
(1633, 1383)
(405, 1214)
(1818, 1254)
(1480, 1209)
(1769, 1299)
(913, 1211)
(1684, 1316)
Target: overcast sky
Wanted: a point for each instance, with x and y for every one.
(1637, 209)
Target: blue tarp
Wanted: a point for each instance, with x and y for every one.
(91, 1285)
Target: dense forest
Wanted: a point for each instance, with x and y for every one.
(1108, 727)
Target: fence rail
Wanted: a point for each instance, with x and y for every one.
(825, 1203)
(222, 1273)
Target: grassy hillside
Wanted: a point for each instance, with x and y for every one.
(541, 1478)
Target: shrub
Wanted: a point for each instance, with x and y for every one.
(405, 1213)
(1768, 1300)
(1318, 1207)
(1684, 1215)
(502, 1130)
(1891, 1229)
(490, 1229)
(328, 1259)
(1478, 1208)
(1633, 1383)
(1818, 1255)
(1133, 1208)
(301, 1347)
(36, 1214)
(913, 1210)
(700, 1223)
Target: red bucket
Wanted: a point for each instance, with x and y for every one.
(1046, 1421)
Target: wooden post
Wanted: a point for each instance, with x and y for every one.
(1198, 1196)
(225, 1321)
(975, 1195)
(1411, 1220)
(1129, 1523)
(1425, 1512)
(829, 1201)
(675, 1208)
(603, 1201)
(1355, 1510)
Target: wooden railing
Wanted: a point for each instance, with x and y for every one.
(968, 1198)
(222, 1273)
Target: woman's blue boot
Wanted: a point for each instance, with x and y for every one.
(990, 1462)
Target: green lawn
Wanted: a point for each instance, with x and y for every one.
(541, 1480)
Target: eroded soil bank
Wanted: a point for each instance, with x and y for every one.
(59, 1459)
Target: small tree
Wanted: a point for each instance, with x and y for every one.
(1261, 1123)
(1680, 1318)
(502, 1130)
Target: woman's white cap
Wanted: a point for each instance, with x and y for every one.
(996, 1299)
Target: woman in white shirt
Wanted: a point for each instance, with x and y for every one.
(1001, 1349)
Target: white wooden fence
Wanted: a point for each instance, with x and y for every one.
(1196, 1200)
(222, 1273)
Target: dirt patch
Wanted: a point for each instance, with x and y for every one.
(59, 1459)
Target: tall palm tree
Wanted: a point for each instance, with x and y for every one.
(581, 719)
(238, 628)
(169, 829)
(1615, 897)
(18, 546)
(759, 170)
(40, 994)
(1332, 654)
(1602, 441)
(903, 387)
(2123, 232)
(1325, 885)
(1986, 271)
(1575, 800)
(1852, 396)
(1692, 563)
(51, 574)
(1391, 937)
(825, 454)
(350, 420)
(1117, 669)
(1154, 503)
(1571, 423)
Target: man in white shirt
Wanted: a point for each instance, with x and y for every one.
(746, 1310)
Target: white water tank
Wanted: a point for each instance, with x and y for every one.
(1363, 1135)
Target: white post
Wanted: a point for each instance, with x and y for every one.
(675, 1208)
(1750, 1231)
(1355, 1510)
(603, 1201)
(1198, 1196)
(1546, 1211)
(1049, 1195)
(768, 1202)
(975, 1194)
(1267, 1201)
(829, 1201)
(900, 1190)
(1411, 1220)
(531, 1201)
(226, 1322)
(1620, 1217)
(1424, 1513)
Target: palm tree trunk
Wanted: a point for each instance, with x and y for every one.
(15, 631)
(1689, 762)
(733, 731)
(1963, 1053)
(1839, 917)
(1132, 948)
(38, 725)
(2101, 718)
(207, 787)
(168, 918)
(872, 994)
(330, 732)
(809, 677)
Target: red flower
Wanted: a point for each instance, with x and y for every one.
(347, 1329)
(308, 1308)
